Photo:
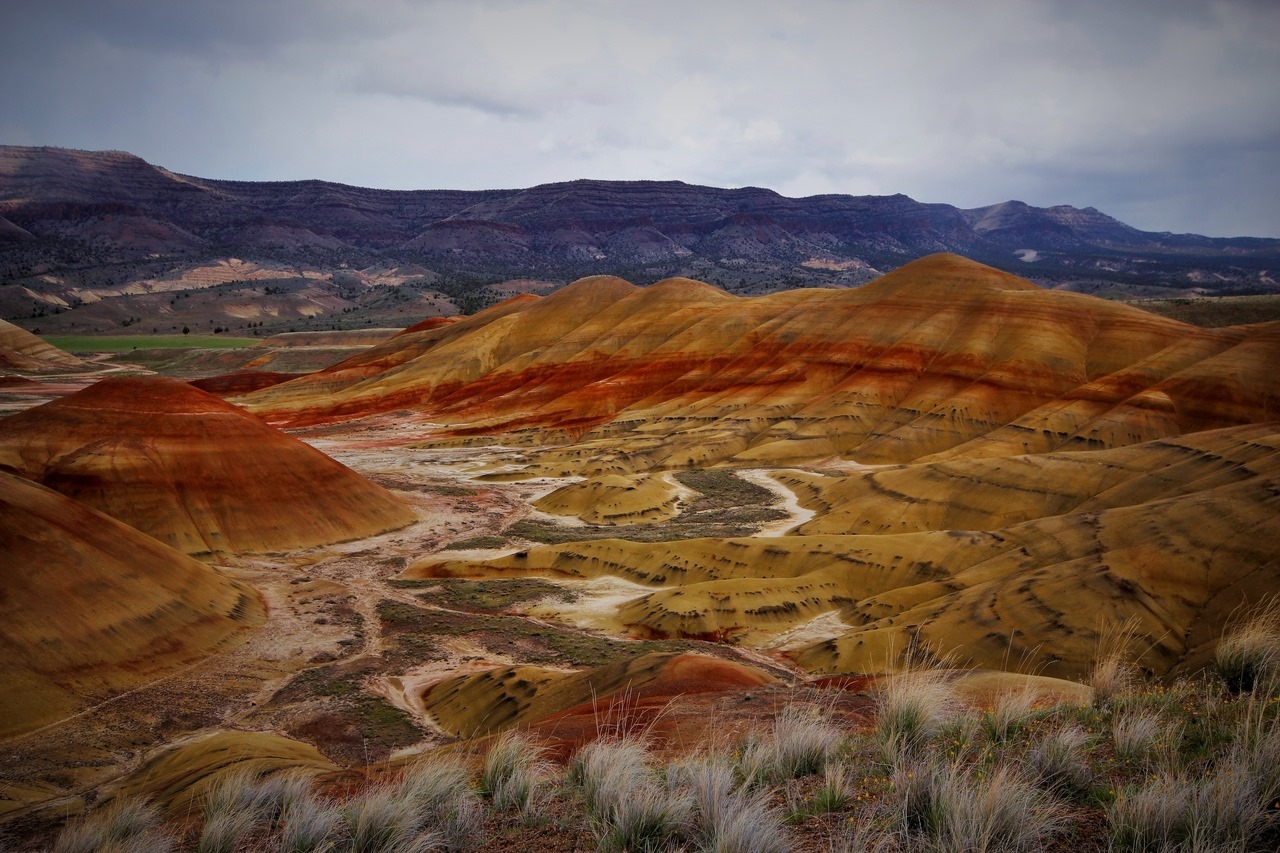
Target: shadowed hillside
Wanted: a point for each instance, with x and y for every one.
(91, 606)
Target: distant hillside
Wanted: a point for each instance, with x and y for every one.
(97, 241)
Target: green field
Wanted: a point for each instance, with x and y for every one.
(124, 343)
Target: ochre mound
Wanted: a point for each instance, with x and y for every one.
(943, 356)
(21, 350)
(197, 473)
(179, 778)
(1175, 534)
(497, 699)
(616, 499)
(91, 606)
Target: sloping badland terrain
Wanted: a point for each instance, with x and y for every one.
(670, 510)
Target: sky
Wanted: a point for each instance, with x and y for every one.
(1162, 113)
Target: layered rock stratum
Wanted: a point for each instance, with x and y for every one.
(1002, 470)
(21, 350)
(199, 474)
(92, 606)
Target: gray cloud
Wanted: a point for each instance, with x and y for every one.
(1164, 114)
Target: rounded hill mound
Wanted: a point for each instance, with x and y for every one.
(92, 606)
(197, 473)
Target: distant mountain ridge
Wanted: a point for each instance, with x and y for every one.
(115, 208)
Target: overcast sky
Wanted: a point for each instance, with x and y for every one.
(1163, 113)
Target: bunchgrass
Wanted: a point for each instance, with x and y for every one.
(911, 710)
(799, 743)
(1060, 760)
(966, 808)
(132, 824)
(308, 825)
(1249, 653)
(1009, 714)
(1139, 737)
(514, 774)
(628, 809)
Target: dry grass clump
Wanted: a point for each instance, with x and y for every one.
(948, 807)
(628, 809)
(1138, 737)
(308, 825)
(1114, 673)
(1010, 713)
(240, 803)
(729, 817)
(912, 709)
(1060, 760)
(514, 774)
(1249, 653)
(132, 825)
(800, 743)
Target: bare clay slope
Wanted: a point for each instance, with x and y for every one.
(21, 350)
(944, 356)
(197, 473)
(92, 606)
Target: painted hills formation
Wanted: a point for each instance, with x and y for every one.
(197, 473)
(21, 350)
(1042, 463)
(92, 606)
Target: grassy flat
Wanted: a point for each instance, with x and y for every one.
(124, 343)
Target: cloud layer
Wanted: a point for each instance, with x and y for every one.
(1165, 114)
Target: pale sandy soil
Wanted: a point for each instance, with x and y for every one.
(796, 514)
